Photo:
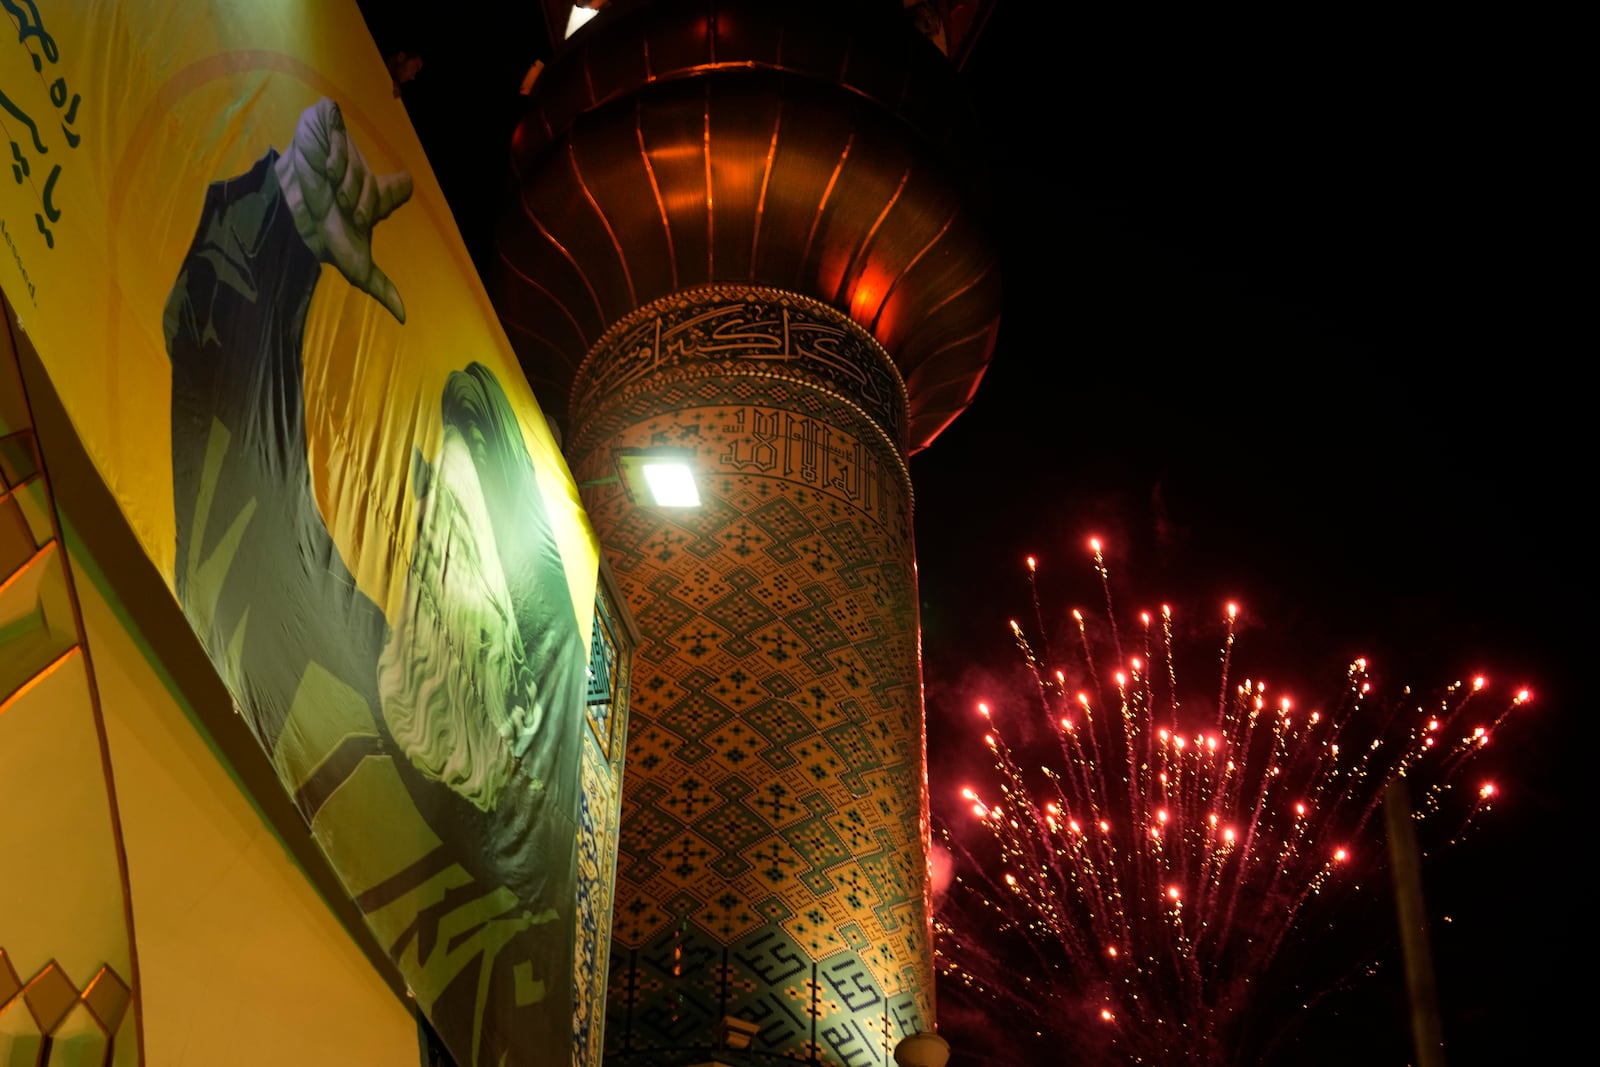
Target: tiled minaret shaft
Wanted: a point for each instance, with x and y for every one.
(747, 230)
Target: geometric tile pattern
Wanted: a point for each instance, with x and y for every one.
(37, 624)
(599, 820)
(772, 862)
(608, 664)
(33, 1013)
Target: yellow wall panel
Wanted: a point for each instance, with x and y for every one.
(60, 895)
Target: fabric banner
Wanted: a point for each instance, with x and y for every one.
(225, 242)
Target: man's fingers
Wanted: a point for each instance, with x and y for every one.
(324, 113)
(366, 200)
(336, 200)
(311, 185)
(350, 178)
(383, 290)
(311, 135)
(338, 160)
(393, 190)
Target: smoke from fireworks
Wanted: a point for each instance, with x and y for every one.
(1128, 884)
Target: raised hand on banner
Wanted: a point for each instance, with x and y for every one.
(336, 200)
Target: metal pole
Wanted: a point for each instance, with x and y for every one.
(1427, 1033)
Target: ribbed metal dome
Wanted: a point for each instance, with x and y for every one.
(818, 148)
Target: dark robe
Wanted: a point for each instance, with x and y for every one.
(268, 593)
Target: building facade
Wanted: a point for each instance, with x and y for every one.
(389, 720)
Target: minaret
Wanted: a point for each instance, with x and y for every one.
(751, 230)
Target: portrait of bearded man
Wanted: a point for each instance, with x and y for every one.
(471, 699)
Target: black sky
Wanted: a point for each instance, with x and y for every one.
(1285, 323)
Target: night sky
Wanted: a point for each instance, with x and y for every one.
(1283, 324)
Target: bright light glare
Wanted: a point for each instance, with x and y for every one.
(672, 485)
(579, 16)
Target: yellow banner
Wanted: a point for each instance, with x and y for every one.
(225, 242)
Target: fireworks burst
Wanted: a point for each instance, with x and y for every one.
(1129, 883)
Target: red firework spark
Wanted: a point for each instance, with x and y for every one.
(1146, 874)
